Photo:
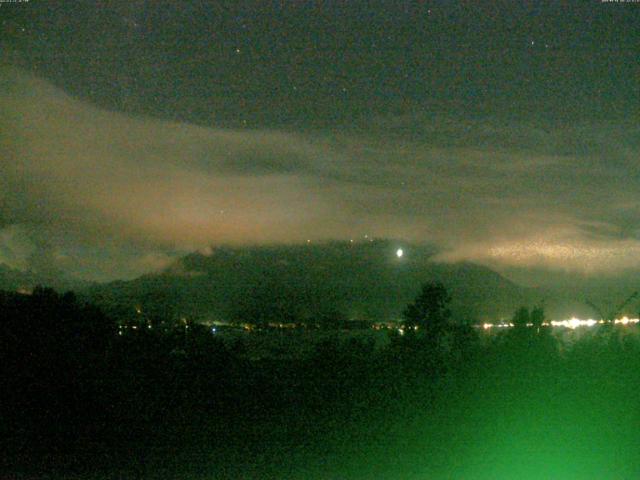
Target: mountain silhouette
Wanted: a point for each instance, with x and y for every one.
(362, 281)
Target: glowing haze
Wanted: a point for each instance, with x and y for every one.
(123, 188)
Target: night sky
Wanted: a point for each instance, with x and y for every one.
(505, 133)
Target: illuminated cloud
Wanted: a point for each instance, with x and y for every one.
(115, 195)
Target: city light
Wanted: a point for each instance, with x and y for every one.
(571, 323)
(574, 323)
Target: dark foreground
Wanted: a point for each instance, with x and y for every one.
(81, 402)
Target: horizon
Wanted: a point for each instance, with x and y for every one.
(393, 277)
(320, 239)
(505, 137)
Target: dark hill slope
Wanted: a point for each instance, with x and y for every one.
(362, 280)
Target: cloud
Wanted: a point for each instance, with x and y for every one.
(15, 247)
(115, 195)
(96, 180)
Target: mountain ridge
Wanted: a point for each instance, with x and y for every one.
(363, 280)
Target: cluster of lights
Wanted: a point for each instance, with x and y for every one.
(122, 328)
(574, 323)
(487, 326)
(402, 330)
(571, 323)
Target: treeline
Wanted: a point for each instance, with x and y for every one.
(73, 388)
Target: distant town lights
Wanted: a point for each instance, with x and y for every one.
(572, 323)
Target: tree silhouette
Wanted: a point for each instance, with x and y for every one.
(537, 317)
(429, 313)
(54, 354)
(521, 317)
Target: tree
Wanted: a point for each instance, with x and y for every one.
(429, 312)
(521, 317)
(537, 317)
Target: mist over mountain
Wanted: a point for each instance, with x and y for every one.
(12, 279)
(566, 293)
(359, 281)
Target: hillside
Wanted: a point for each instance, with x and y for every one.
(363, 280)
